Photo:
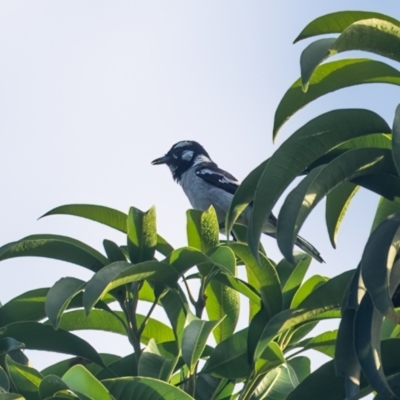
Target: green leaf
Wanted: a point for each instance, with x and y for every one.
(9, 344)
(300, 267)
(139, 388)
(374, 35)
(153, 364)
(142, 235)
(337, 203)
(28, 306)
(80, 379)
(25, 379)
(11, 396)
(4, 381)
(337, 22)
(104, 215)
(324, 343)
(385, 208)
(244, 195)
(208, 387)
(195, 336)
(367, 328)
(271, 358)
(113, 251)
(396, 138)
(326, 297)
(202, 229)
(308, 144)
(222, 304)
(306, 289)
(37, 336)
(229, 358)
(57, 247)
(301, 200)
(120, 273)
(330, 77)
(265, 275)
(50, 385)
(107, 216)
(59, 297)
(108, 322)
(380, 274)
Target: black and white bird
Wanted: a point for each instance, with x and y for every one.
(205, 184)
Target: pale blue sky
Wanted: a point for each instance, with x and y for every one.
(92, 91)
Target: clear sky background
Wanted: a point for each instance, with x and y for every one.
(92, 91)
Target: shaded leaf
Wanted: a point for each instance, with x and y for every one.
(139, 388)
(50, 385)
(384, 209)
(37, 336)
(301, 200)
(59, 297)
(310, 143)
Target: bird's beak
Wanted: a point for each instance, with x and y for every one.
(161, 160)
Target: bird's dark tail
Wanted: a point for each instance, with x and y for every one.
(308, 248)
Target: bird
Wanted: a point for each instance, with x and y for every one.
(205, 184)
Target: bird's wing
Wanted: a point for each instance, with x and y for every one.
(218, 178)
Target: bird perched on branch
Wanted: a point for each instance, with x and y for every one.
(205, 184)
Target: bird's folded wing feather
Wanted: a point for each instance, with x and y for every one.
(219, 178)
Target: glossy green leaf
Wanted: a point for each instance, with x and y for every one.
(28, 306)
(330, 77)
(385, 208)
(337, 203)
(271, 358)
(113, 251)
(59, 297)
(195, 336)
(300, 267)
(308, 144)
(265, 275)
(104, 215)
(301, 200)
(338, 21)
(153, 364)
(108, 322)
(326, 297)
(50, 385)
(119, 273)
(139, 388)
(324, 343)
(80, 379)
(229, 358)
(142, 235)
(240, 286)
(9, 344)
(380, 274)
(222, 303)
(25, 379)
(57, 247)
(374, 35)
(202, 229)
(37, 336)
(306, 289)
(107, 216)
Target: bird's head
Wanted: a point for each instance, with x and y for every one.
(183, 156)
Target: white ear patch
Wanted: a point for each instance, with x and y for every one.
(187, 155)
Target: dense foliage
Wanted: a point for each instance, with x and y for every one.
(343, 150)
